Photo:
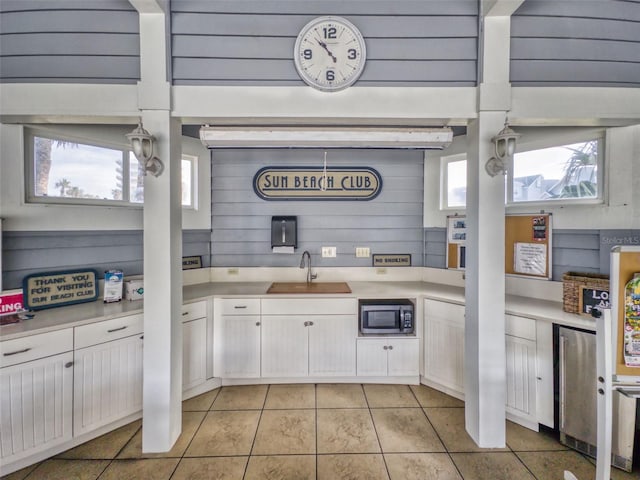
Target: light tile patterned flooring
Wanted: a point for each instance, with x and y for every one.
(324, 431)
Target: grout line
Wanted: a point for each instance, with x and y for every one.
(384, 460)
(255, 435)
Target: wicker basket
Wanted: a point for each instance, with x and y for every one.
(571, 288)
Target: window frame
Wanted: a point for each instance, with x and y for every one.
(529, 147)
(599, 199)
(444, 181)
(127, 154)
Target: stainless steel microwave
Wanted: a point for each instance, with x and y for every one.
(388, 316)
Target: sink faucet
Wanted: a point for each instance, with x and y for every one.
(310, 276)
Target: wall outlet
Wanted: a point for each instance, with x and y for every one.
(328, 252)
(381, 271)
(363, 252)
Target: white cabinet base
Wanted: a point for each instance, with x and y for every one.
(409, 380)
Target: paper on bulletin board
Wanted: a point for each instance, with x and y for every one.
(530, 258)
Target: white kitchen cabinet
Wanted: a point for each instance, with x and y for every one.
(107, 383)
(194, 353)
(444, 344)
(381, 357)
(521, 378)
(35, 394)
(529, 368)
(237, 330)
(285, 346)
(194, 345)
(297, 341)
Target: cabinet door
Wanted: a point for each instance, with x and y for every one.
(444, 344)
(372, 357)
(285, 346)
(239, 344)
(521, 377)
(107, 383)
(403, 357)
(332, 345)
(35, 406)
(194, 353)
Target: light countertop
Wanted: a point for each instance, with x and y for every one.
(84, 313)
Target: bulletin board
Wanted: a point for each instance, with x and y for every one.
(527, 249)
(527, 244)
(625, 263)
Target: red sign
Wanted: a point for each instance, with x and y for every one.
(10, 303)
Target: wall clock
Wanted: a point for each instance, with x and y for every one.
(330, 53)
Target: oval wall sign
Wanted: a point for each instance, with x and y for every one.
(314, 183)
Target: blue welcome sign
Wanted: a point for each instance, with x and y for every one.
(317, 183)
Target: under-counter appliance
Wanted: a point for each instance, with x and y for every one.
(578, 400)
(388, 316)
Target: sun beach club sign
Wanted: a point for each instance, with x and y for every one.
(317, 183)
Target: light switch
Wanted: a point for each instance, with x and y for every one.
(363, 252)
(328, 252)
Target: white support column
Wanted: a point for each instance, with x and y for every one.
(162, 379)
(485, 374)
(485, 369)
(162, 384)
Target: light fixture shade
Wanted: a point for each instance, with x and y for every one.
(326, 137)
(505, 142)
(141, 143)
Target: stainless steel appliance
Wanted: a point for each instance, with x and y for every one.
(389, 316)
(578, 401)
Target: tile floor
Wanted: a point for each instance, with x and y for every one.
(324, 431)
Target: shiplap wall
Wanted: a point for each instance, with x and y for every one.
(586, 251)
(69, 41)
(576, 43)
(30, 252)
(241, 221)
(250, 42)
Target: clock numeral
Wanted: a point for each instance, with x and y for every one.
(307, 54)
(331, 75)
(352, 54)
(330, 32)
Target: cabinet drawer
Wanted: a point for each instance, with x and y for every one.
(35, 346)
(309, 306)
(108, 330)
(191, 311)
(520, 327)
(240, 306)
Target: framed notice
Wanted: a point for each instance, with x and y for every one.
(456, 241)
(55, 289)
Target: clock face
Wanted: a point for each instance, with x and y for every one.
(329, 53)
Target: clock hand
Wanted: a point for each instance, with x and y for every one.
(324, 45)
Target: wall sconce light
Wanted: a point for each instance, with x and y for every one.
(142, 145)
(505, 146)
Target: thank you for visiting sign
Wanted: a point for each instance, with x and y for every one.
(317, 183)
(54, 289)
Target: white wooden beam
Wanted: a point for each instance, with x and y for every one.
(149, 6)
(500, 8)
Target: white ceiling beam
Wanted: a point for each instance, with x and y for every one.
(500, 8)
(149, 6)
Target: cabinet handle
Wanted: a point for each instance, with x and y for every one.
(385, 347)
(116, 329)
(306, 324)
(238, 307)
(257, 324)
(311, 324)
(16, 352)
(184, 314)
(390, 347)
(68, 365)
(141, 337)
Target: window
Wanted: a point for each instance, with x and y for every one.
(569, 174)
(66, 171)
(454, 181)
